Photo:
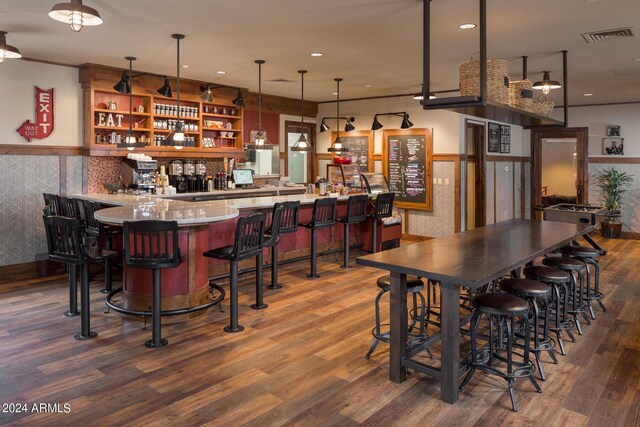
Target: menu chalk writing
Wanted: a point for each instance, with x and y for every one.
(360, 148)
(408, 168)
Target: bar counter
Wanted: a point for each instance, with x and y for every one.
(204, 225)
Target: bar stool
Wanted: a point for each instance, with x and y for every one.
(501, 310)
(417, 313)
(383, 209)
(323, 216)
(71, 209)
(590, 256)
(577, 295)
(64, 242)
(97, 230)
(284, 220)
(248, 243)
(560, 281)
(535, 293)
(153, 245)
(356, 213)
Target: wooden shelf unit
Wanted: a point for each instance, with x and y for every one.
(96, 100)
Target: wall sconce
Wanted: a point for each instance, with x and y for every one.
(406, 123)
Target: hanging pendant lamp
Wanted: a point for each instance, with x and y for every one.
(126, 84)
(302, 144)
(239, 101)
(337, 146)
(7, 51)
(165, 90)
(206, 95)
(546, 85)
(76, 15)
(176, 137)
(259, 141)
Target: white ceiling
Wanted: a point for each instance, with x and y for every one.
(375, 45)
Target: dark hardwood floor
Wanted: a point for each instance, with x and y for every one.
(300, 362)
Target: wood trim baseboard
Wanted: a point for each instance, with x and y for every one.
(44, 150)
(446, 157)
(13, 273)
(615, 160)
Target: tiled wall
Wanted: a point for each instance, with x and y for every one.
(630, 199)
(440, 221)
(24, 178)
(490, 183)
(507, 180)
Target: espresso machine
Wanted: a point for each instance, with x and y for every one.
(176, 176)
(201, 175)
(139, 174)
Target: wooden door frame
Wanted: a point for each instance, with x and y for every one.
(581, 135)
(311, 158)
(480, 160)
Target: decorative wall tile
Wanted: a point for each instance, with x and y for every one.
(74, 174)
(489, 198)
(100, 170)
(504, 191)
(440, 221)
(25, 178)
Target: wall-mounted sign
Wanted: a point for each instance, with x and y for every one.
(493, 140)
(407, 163)
(360, 148)
(505, 139)
(43, 126)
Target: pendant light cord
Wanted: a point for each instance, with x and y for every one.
(178, 83)
(130, 95)
(302, 100)
(260, 97)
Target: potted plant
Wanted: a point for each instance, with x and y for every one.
(612, 184)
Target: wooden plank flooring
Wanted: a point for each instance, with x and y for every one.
(300, 362)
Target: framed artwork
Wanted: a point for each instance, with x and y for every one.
(613, 146)
(505, 139)
(613, 130)
(493, 138)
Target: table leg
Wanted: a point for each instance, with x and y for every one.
(398, 325)
(450, 329)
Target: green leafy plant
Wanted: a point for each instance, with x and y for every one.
(612, 184)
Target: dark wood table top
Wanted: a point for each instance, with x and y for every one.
(476, 257)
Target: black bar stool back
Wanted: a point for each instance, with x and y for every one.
(249, 239)
(64, 242)
(53, 202)
(383, 209)
(152, 245)
(70, 208)
(324, 215)
(284, 220)
(96, 229)
(356, 213)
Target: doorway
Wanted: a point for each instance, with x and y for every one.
(560, 162)
(299, 164)
(475, 212)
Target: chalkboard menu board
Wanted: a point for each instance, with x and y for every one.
(360, 148)
(407, 162)
(494, 138)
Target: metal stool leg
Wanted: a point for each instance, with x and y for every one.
(377, 332)
(73, 292)
(345, 262)
(314, 253)
(156, 313)
(259, 305)
(274, 269)
(233, 311)
(374, 236)
(107, 269)
(85, 312)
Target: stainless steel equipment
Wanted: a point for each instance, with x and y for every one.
(566, 212)
(176, 176)
(139, 174)
(189, 170)
(201, 175)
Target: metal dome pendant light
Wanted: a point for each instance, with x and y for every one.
(176, 137)
(546, 84)
(239, 100)
(259, 141)
(302, 144)
(337, 146)
(76, 15)
(7, 51)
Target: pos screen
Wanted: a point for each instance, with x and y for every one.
(243, 176)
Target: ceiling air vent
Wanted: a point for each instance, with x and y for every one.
(620, 33)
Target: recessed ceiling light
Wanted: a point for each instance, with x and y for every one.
(221, 72)
(636, 59)
(185, 66)
(588, 94)
(367, 85)
(467, 26)
(334, 93)
(316, 54)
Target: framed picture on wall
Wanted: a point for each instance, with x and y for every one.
(505, 139)
(613, 130)
(613, 146)
(493, 138)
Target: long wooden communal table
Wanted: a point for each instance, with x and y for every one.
(470, 259)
